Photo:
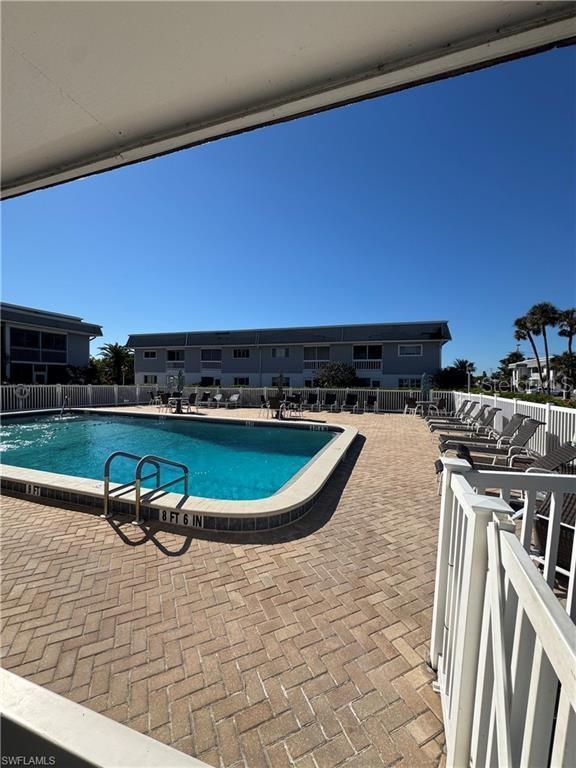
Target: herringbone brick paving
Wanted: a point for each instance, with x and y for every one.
(304, 647)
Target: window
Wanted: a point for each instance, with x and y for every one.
(55, 341)
(368, 352)
(409, 350)
(241, 353)
(211, 355)
(316, 353)
(149, 379)
(409, 383)
(375, 384)
(280, 352)
(22, 338)
(241, 381)
(175, 354)
(150, 354)
(285, 381)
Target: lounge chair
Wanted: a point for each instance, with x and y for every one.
(350, 403)
(294, 405)
(434, 409)
(567, 526)
(191, 402)
(311, 402)
(410, 405)
(479, 425)
(498, 439)
(456, 415)
(233, 400)
(465, 418)
(516, 446)
(371, 403)
(553, 460)
(329, 401)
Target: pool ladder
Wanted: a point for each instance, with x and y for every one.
(136, 484)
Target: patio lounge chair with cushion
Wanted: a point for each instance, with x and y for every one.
(498, 439)
(351, 402)
(216, 400)
(233, 400)
(329, 401)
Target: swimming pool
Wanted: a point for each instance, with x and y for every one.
(232, 461)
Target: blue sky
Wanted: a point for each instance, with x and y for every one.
(455, 200)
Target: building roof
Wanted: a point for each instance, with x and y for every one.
(186, 73)
(30, 316)
(322, 334)
(530, 362)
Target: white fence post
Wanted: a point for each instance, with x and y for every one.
(547, 430)
(115, 394)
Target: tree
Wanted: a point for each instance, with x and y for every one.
(463, 365)
(119, 362)
(336, 374)
(565, 364)
(540, 317)
(567, 326)
(523, 332)
(509, 359)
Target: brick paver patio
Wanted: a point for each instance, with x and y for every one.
(303, 647)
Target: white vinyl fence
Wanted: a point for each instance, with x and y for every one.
(503, 643)
(558, 423)
(16, 397)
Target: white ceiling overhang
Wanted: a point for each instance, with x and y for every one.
(89, 86)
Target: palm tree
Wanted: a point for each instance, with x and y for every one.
(463, 365)
(523, 332)
(567, 323)
(119, 361)
(540, 317)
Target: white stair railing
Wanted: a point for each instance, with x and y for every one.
(502, 643)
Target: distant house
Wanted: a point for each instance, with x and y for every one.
(525, 374)
(37, 346)
(384, 355)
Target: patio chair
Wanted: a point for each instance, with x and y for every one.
(351, 402)
(448, 421)
(516, 447)
(205, 399)
(410, 405)
(275, 404)
(233, 400)
(154, 398)
(311, 401)
(264, 407)
(216, 400)
(481, 423)
(329, 401)
(294, 405)
(371, 403)
(451, 416)
(435, 409)
(191, 403)
(164, 401)
(498, 439)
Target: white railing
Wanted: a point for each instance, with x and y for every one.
(39, 396)
(22, 397)
(502, 642)
(559, 424)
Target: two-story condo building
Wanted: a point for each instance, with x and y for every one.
(38, 346)
(384, 354)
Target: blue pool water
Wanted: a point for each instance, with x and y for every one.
(226, 461)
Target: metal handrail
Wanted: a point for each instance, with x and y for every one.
(126, 455)
(151, 459)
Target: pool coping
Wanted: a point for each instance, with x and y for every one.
(289, 503)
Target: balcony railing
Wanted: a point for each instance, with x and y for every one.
(314, 365)
(368, 365)
(211, 365)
